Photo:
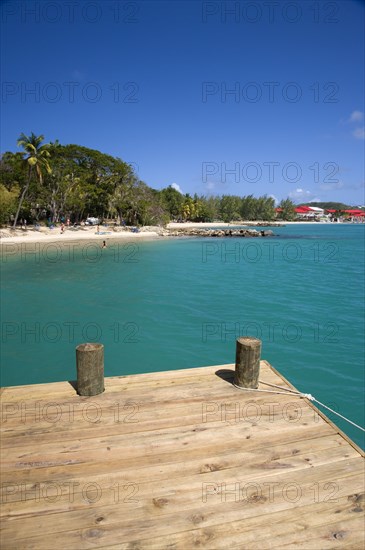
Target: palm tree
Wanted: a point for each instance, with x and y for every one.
(37, 160)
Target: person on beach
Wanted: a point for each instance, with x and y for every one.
(97, 229)
(62, 227)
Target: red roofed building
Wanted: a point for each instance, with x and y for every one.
(355, 212)
(302, 209)
(308, 212)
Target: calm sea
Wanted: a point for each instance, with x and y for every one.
(174, 304)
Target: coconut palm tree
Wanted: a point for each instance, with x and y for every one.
(37, 160)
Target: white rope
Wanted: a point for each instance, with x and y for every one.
(340, 415)
(298, 394)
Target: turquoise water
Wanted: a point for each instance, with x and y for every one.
(172, 304)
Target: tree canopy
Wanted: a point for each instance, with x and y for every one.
(52, 182)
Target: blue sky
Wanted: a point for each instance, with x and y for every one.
(250, 97)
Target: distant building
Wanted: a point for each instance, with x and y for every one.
(309, 212)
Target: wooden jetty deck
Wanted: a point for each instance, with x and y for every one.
(176, 460)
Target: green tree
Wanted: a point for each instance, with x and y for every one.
(126, 193)
(265, 208)
(173, 201)
(8, 201)
(249, 208)
(230, 206)
(210, 208)
(37, 161)
(85, 182)
(12, 170)
(188, 208)
(288, 210)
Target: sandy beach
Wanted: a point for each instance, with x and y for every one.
(80, 234)
(90, 233)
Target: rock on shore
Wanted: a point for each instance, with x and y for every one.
(198, 232)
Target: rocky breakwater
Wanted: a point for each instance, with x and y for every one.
(198, 232)
(258, 224)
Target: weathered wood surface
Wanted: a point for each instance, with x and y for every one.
(248, 357)
(90, 369)
(178, 460)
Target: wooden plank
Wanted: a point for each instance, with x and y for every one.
(213, 488)
(118, 383)
(177, 478)
(238, 425)
(147, 445)
(133, 419)
(271, 535)
(140, 381)
(270, 460)
(251, 521)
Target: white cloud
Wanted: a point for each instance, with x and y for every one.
(356, 116)
(359, 133)
(303, 195)
(276, 200)
(177, 187)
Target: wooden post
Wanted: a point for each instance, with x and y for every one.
(248, 353)
(90, 369)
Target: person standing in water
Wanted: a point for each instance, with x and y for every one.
(104, 244)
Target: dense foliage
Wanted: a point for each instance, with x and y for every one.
(54, 182)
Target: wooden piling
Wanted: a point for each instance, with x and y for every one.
(248, 354)
(90, 369)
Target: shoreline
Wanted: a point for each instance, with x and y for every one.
(178, 225)
(31, 236)
(46, 235)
